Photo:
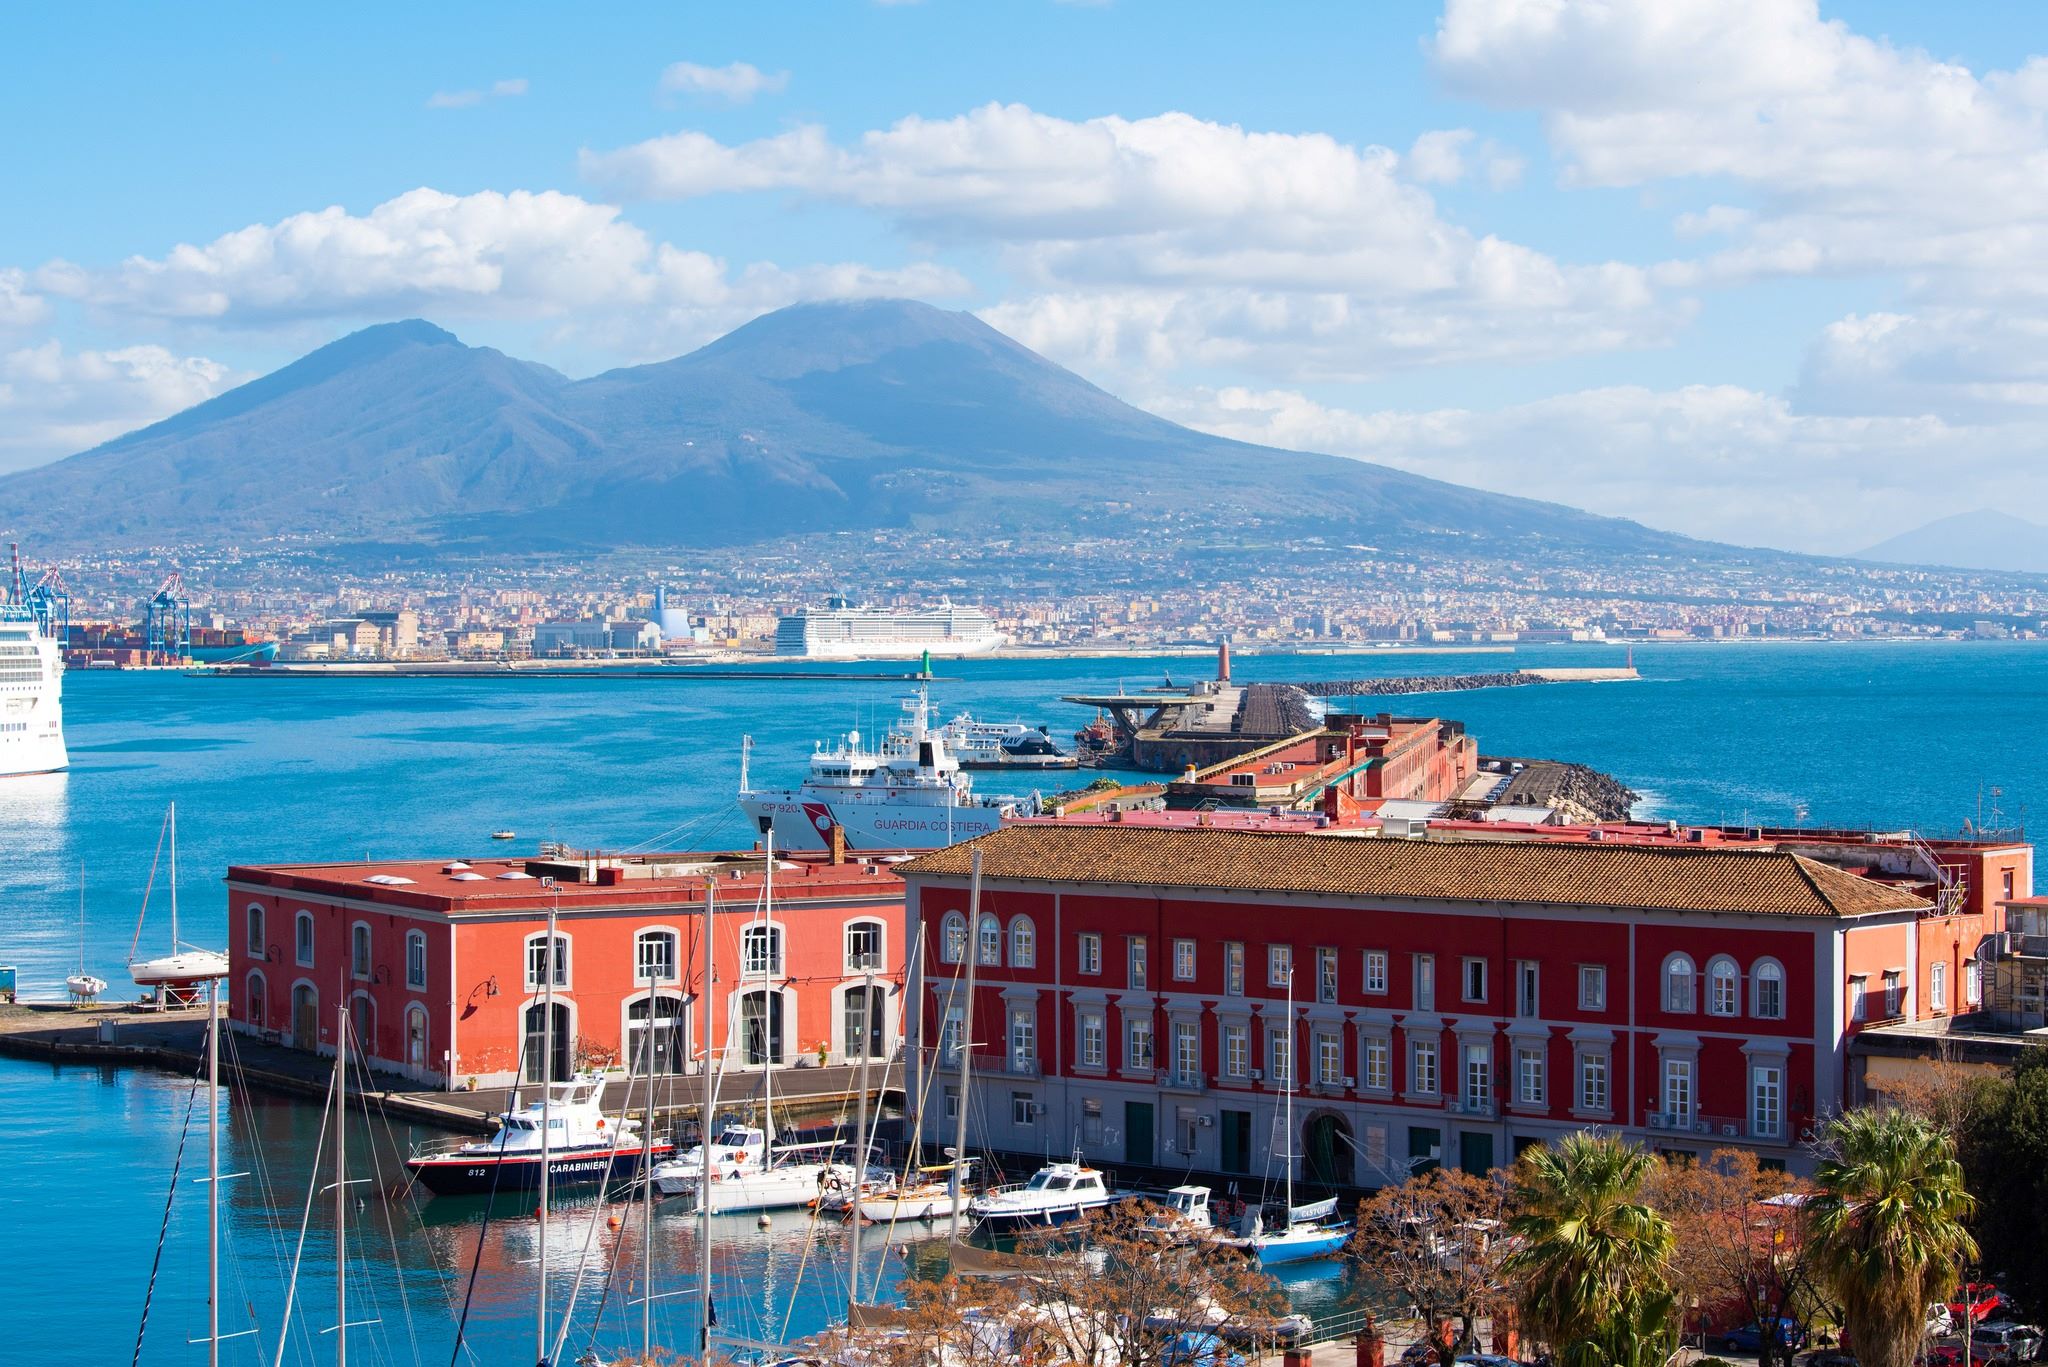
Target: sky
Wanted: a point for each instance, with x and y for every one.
(1763, 271)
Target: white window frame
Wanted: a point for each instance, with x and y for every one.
(1279, 965)
(1326, 975)
(1023, 942)
(1424, 973)
(562, 960)
(1376, 1057)
(1183, 961)
(1973, 984)
(1280, 1055)
(1679, 1090)
(1088, 954)
(1724, 987)
(1528, 989)
(953, 938)
(1767, 990)
(1329, 1058)
(1237, 1049)
(875, 960)
(1425, 1072)
(1233, 968)
(1023, 1110)
(1767, 1099)
(1595, 1082)
(1477, 1077)
(1137, 963)
(988, 941)
(1894, 993)
(643, 939)
(1091, 1039)
(255, 923)
(1137, 1032)
(1472, 983)
(1859, 996)
(952, 1031)
(305, 939)
(1531, 1084)
(1937, 986)
(1187, 1052)
(1592, 987)
(416, 957)
(1376, 972)
(1023, 1038)
(1680, 984)
(753, 963)
(362, 951)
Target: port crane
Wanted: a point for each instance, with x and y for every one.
(167, 621)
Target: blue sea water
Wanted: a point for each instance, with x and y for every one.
(1884, 735)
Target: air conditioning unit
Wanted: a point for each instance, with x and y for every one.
(1207, 1122)
(1658, 1120)
(1702, 1127)
(1728, 1131)
(1038, 1108)
(1349, 1083)
(1258, 1075)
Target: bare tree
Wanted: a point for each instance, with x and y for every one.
(1434, 1245)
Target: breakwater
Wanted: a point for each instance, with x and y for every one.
(1454, 683)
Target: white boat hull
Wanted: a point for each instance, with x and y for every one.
(24, 754)
(801, 820)
(894, 1209)
(192, 966)
(779, 1188)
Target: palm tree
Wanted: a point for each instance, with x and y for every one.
(1888, 1228)
(1589, 1274)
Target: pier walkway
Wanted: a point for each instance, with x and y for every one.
(175, 1042)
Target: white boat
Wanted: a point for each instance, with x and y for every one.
(176, 976)
(83, 986)
(844, 630)
(909, 792)
(795, 1175)
(929, 1197)
(31, 676)
(504, 835)
(1183, 1213)
(1057, 1194)
(1004, 745)
(567, 1130)
(736, 1149)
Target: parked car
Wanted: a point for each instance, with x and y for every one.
(1749, 1338)
(1198, 1348)
(1940, 1322)
(1977, 1302)
(2007, 1340)
(1830, 1357)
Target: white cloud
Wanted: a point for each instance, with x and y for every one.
(1174, 217)
(54, 402)
(1712, 461)
(1438, 157)
(734, 83)
(19, 306)
(509, 88)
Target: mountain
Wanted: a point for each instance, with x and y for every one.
(819, 417)
(1983, 540)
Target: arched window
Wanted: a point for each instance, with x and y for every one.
(256, 948)
(761, 1027)
(1023, 943)
(761, 951)
(539, 962)
(654, 956)
(359, 949)
(657, 1036)
(302, 938)
(254, 1009)
(991, 941)
(1767, 991)
(866, 1022)
(1724, 987)
(864, 947)
(1678, 985)
(953, 938)
(416, 1037)
(416, 959)
(546, 1051)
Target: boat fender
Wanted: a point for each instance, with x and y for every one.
(600, 1122)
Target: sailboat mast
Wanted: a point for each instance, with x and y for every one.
(212, 1171)
(647, 1183)
(704, 1137)
(547, 1097)
(972, 951)
(1287, 1100)
(773, 1053)
(860, 1139)
(341, 1185)
(174, 877)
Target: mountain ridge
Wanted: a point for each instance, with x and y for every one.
(817, 417)
(1982, 539)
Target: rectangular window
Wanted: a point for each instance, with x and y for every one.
(1973, 984)
(537, 962)
(1092, 1039)
(1894, 997)
(1592, 987)
(1529, 1087)
(990, 942)
(359, 951)
(1187, 1053)
(1593, 1082)
(1233, 969)
(1134, 959)
(1528, 1003)
(1377, 1063)
(415, 959)
(1768, 998)
(1937, 987)
(1766, 1100)
(1279, 964)
(1326, 975)
(656, 957)
(1237, 1060)
(1091, 1121)
(1478, 1078)
(1282, 1051)
(1376, 971)
(952, 1103)
(1091, 954)
(1137, 1044)
(1678, 1094)
(952, 1031)
(761, 951)
(1023, 1110)
(303, 938)
(1422, 1076)
(1184, 961)
(1329, 1058)
(863, 948)
(1859, 989)
(256, 949)
(1475, 980)
(1425, 982)
(1023, 1039)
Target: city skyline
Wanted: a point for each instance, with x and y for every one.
(1646, 266)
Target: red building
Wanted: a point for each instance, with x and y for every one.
(445, 964)
(1454, 1000)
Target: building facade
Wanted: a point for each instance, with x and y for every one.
(446, 965)
(1452, 1001)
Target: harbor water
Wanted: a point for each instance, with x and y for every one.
(1887, 736)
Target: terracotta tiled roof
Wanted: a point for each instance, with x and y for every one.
(1624, 876)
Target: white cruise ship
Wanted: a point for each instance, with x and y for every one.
(841, 630)
(909, 792)
(31, 681)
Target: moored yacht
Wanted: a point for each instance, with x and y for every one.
(31, 677)
(581, 1146)
(927, 1196)
(1004, 745)
(1057, 1194)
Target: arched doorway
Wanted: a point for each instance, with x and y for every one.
(362, 1021)
(761, 1028)
(657, 1036)
(865, 1022)
(255, 1008)
(305, 1016)
(416, 1041)
(547, 1059)
(1326, 1151)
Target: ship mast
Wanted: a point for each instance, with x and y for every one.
(547, 1096)
(1287, 1100)
(647, 1180)
(860, 1139)
(341, 1185)
(972, 951)
(704, 1137)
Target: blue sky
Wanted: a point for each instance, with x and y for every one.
(1763, 271)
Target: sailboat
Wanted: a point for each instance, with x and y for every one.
(176, 976)
(83, 986)
(1308, 1232)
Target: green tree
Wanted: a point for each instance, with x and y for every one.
(1888, 1228)
(2004, 1151)
(1591, 1275)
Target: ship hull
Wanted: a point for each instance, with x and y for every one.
(33, 752)
(800, 822)
(483, 1174)
(1001, 1222)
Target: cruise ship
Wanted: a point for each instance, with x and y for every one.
(31, 679)
(909, 792)
(843, 630)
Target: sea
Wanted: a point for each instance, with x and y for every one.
(1935, 736)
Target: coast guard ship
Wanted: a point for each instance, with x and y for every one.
(909, 792)
(31, 677)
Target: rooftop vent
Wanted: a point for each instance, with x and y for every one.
(389, 880)
(457, 867)
(515, 875)
(467, 876)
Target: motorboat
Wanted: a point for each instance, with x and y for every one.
(1182, 1213)
(504, 835)
(1004, 745)
(794, 1175)
(737, 1149)
(1057, 1194)
(567, 1125)
(929, 1197)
